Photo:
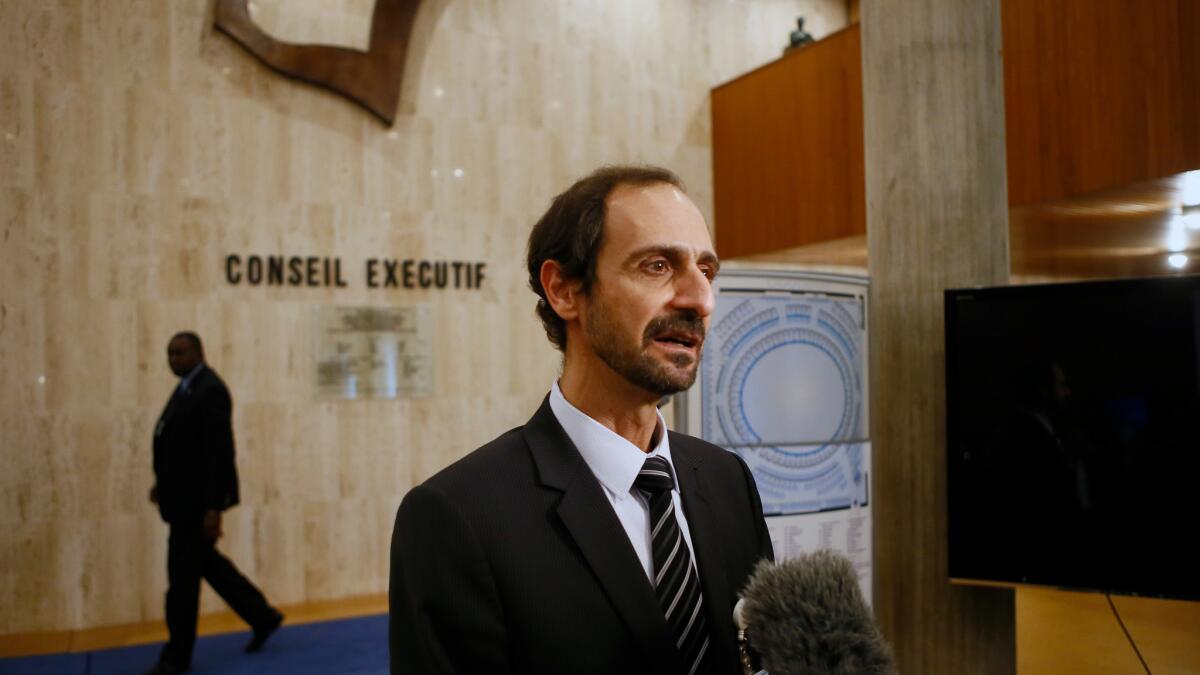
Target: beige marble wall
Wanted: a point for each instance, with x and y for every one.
(138, 148)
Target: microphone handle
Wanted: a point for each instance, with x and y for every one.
(749, 659)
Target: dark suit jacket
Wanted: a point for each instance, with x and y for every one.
(194, 452)
(512, 560)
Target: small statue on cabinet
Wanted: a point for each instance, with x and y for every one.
(799, 37)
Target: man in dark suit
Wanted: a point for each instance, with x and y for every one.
(195, 480)
(590, 540)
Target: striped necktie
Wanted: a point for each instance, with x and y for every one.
(675, 580)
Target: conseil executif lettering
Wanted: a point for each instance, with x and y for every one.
(327, 271)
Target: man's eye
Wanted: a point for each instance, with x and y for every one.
(709, 273)
(657, 266)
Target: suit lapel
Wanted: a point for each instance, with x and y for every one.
(589, 519)
(168, 411)
(705, 531)
(179, 397)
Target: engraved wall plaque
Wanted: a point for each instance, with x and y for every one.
(373, 352)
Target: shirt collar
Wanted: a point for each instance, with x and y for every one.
(187, 379)
(614, 460)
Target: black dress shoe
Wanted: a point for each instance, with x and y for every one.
(261, 633)
(166, 668)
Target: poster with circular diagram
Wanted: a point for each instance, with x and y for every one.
(783, 385)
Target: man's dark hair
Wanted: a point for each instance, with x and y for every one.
(572, 229)
(193, 339)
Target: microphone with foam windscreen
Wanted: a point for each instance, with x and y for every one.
(806, 616)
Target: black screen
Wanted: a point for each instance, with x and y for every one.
(1073, 451)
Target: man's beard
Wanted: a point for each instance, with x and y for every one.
(633, 362)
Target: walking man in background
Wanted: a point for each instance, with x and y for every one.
(195, 480)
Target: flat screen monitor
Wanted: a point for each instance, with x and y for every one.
(1073, 435)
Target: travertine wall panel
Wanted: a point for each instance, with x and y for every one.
(138, 148)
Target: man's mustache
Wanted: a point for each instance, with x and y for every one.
(690, 324)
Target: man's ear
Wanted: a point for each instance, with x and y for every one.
(564, 295)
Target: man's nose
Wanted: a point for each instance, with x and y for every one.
(693, 290)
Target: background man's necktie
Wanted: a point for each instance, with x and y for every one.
(675, 579)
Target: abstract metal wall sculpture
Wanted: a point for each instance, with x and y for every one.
(371, 78)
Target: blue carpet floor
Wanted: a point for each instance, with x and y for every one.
(347, 647)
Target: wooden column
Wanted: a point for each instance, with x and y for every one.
(937, 218)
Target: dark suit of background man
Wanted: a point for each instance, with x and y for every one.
(195, 480)
(568, 545)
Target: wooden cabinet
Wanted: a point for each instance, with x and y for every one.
(1099, 94)
(788, 150)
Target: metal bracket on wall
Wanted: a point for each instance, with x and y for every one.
(371, 78)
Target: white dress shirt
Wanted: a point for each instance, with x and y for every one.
(186, 380)
(616, 463)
